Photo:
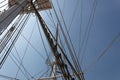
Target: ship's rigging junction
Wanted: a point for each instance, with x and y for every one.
(18, 13)
(30, 40)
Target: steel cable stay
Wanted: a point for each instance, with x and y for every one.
(50, 17)
(72, 50)
(62, 44)
(13, 42)
(63, 32)
(17, 66)
(11, 34)
(81, 25)
(33, 47)
(57, 17)
(15, 24)
(24, 69)
(8, 39)
(7, 77)
(43, 74)
(74, 12)
(18, 60)
(87, 33)
(25, 75)
(18, 21)
(39, 73)
(46, 52)
(16, 51)
(9, 50)
(25, 51)
(102, 53)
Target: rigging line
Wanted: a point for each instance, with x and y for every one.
(42, 40)
(25, 75)
(89, 29)
(19, 18)
(59, 22)
(17, 52)
(28, 16)
(12, 44)
(21, 71)
(67, 31)
(59, 46)
(15, 24)
(7, 77)
(50, 18)
(37, 74)
(57, 34)
(63, 6)
(3, 5)
(44, 73)
(74, 12)
(65, 56)
(2, 1)
(20, 60)
(62, 44)
(51, 43)
(72, 67)
(33, 47)
(74, 56)
(80, 32)
(25, 50)
(22, 66)
(11, 37)
(89, 21)
(103, 52)
(6, 35)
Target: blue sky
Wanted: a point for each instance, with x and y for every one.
(103, 29)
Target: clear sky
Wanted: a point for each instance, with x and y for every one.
(92, 24)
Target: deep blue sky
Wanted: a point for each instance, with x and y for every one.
(104, 27)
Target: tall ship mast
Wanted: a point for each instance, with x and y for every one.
(48, 40)
(22, 7)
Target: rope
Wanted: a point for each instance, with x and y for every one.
(103, 52)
